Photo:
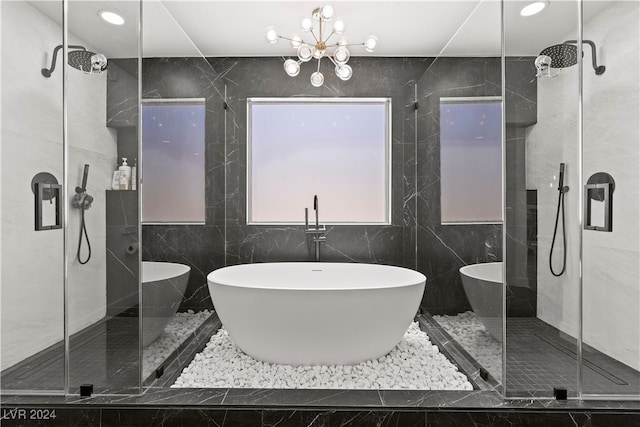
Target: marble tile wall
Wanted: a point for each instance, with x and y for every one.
(442, 250)
(432, 410)
(122, 255)
(373, 77)
(415, 241)
(199, 246)
(204, 247)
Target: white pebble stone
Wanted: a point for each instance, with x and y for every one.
(413, 364)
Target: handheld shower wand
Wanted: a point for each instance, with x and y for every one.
(83, 189)
(562, 189)
(82, 201)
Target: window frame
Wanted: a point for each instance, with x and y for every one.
(386, 101)
(140, 171)
(469, 100)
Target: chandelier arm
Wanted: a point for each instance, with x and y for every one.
(330, 35)
(314, 36)
(299, 61)
(319, 64)
(345, 45)
(286, 38)
(332, 60)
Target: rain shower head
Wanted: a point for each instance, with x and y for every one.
(80, 59)
(562, 56)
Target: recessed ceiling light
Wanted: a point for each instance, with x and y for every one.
(111, 17)
(533, 8)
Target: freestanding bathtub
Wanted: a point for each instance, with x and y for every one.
(163, 286)
(483, 286)
(315, 313)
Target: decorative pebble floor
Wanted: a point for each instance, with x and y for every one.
(175, 333)
(413, 364)
(471, 334)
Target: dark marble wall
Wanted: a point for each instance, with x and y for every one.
(122, 251)
(443, 249)
(520, 216)
(373, 77)
(199, 246)
(415, 238)
(122, 206)
(225, 239)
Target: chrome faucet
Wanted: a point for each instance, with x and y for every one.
(319, 231)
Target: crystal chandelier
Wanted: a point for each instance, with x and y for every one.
(325, 43)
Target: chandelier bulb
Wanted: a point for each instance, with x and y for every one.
(296, 41)
(291, 67)
(317, 79)
(370, 43)
(326, 13)
(271, 35)
(344, 72)
(342, 42)
(339, 27)
(306, 24)
(342, 55)
(305, 53)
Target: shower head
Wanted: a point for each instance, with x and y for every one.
(80, 59)
(562, 56)
(88, 62)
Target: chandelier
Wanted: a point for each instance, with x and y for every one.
(325, 43)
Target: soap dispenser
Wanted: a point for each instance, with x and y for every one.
(126, 171)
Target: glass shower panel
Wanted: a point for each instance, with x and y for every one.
(460, 114)
(32, 280)
(542, 201)
(102, 249)
(182, 124)
(611, 255)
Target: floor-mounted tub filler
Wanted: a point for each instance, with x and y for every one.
(316, 313)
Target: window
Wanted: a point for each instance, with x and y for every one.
(471, 160)
(336, 148)
(173, 177)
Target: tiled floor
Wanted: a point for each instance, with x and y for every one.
(540, 357)
(105, 355)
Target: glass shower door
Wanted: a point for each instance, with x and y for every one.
(543, 194)
(102, 257)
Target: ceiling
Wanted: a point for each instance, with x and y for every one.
(237, 28)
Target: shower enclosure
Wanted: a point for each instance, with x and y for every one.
(562, 185)
(60, 333)
(572, 203)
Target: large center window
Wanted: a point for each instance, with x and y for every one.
(336, 148)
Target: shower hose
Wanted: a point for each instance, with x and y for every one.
(561, 192)
(83, 231)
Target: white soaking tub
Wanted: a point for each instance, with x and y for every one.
(482, 284)
(163, 286)
(315, 313)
